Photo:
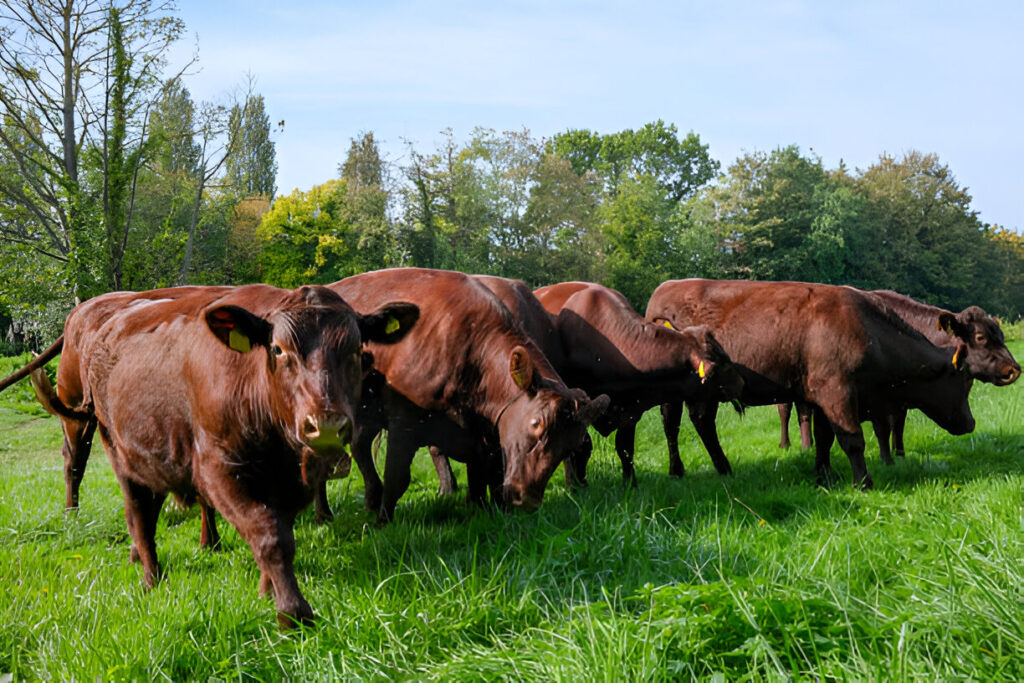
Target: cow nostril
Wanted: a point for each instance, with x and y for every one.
(310, 427)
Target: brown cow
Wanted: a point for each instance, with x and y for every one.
(539, 326)
(988, 360)
(836, 348)
(609, 348)
(468, 380)
(239, 399)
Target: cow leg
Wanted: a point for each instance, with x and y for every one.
(823, 438)
(208, 536)
(882, 428)
(842, 415)
(446, 484)
(899, 421)
(702, 415)
(671, 416)
(576, 464)
(397, 471)
(625, 441)
(477, 480)
(362, 453)
(78, 436)
(268, 531)
(803, 418)
(142, 508)
(320, 504)
(785, 409)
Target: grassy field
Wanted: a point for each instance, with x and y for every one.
(759, 575)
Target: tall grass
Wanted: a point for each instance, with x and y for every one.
(758, 575)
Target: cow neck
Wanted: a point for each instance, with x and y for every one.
(920, 316)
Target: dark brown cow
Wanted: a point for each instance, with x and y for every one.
(239, 399)
(609, 348)
(988, 360)
(836, 348)
(468, 380)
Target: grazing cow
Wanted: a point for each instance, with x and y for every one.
(539, 326)
(609, 348)
(468, 380)
(239, 399)
(988, 360)
(836, 348)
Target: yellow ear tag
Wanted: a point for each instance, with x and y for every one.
(238, 341)
(668, 325)
(392, 325)
(956, 355)
(700, 370)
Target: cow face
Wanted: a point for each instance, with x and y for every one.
(538, 428)
(314, 363)
(943, 394)
(989, 360)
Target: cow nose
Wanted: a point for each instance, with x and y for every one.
(1011, 373)
(327, 431)
(520, 498)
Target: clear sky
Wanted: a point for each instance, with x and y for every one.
(846, 80)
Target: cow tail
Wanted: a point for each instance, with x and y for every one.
(47, 396)
(35, 364)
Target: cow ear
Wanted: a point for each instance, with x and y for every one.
(520, 366)
(960, 356)
(952, 325)
(389, 323)
(664, 323)
(593, 409)
(237, 328)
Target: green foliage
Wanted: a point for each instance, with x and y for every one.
(251, 168)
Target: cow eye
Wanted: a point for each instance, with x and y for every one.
(980, 338)
(277, 350)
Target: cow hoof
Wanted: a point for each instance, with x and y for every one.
(287, 622)
(900, 453)
(866, 484)
(676, 470)
(324, 517)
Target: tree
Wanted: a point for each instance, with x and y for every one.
(57, 93)
(367, 202)
(933, 243)
(679, 166)
(251, 169)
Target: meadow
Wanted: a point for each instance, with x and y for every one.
(761, 575)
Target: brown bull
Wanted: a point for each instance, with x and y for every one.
(468, 380)
(237, 397)
(835, 348)
(988, 360)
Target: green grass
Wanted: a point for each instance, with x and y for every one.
(759, 575)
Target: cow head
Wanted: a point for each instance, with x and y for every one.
(942, 395)
(539, 425)
(720, 378)
(989, 359)
(312, 346)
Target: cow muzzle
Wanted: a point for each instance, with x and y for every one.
(520, 498)
(1010, 375)
(327, 434)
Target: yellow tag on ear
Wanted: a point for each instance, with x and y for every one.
(668, 325)
(238, 341)
(392, 325)
(700, 370)
(956, 355)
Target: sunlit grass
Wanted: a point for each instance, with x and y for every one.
(758, 575)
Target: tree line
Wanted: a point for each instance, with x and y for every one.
(112, 177)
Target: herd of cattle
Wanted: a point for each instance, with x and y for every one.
(245, 399)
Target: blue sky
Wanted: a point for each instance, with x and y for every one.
(846, 80)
